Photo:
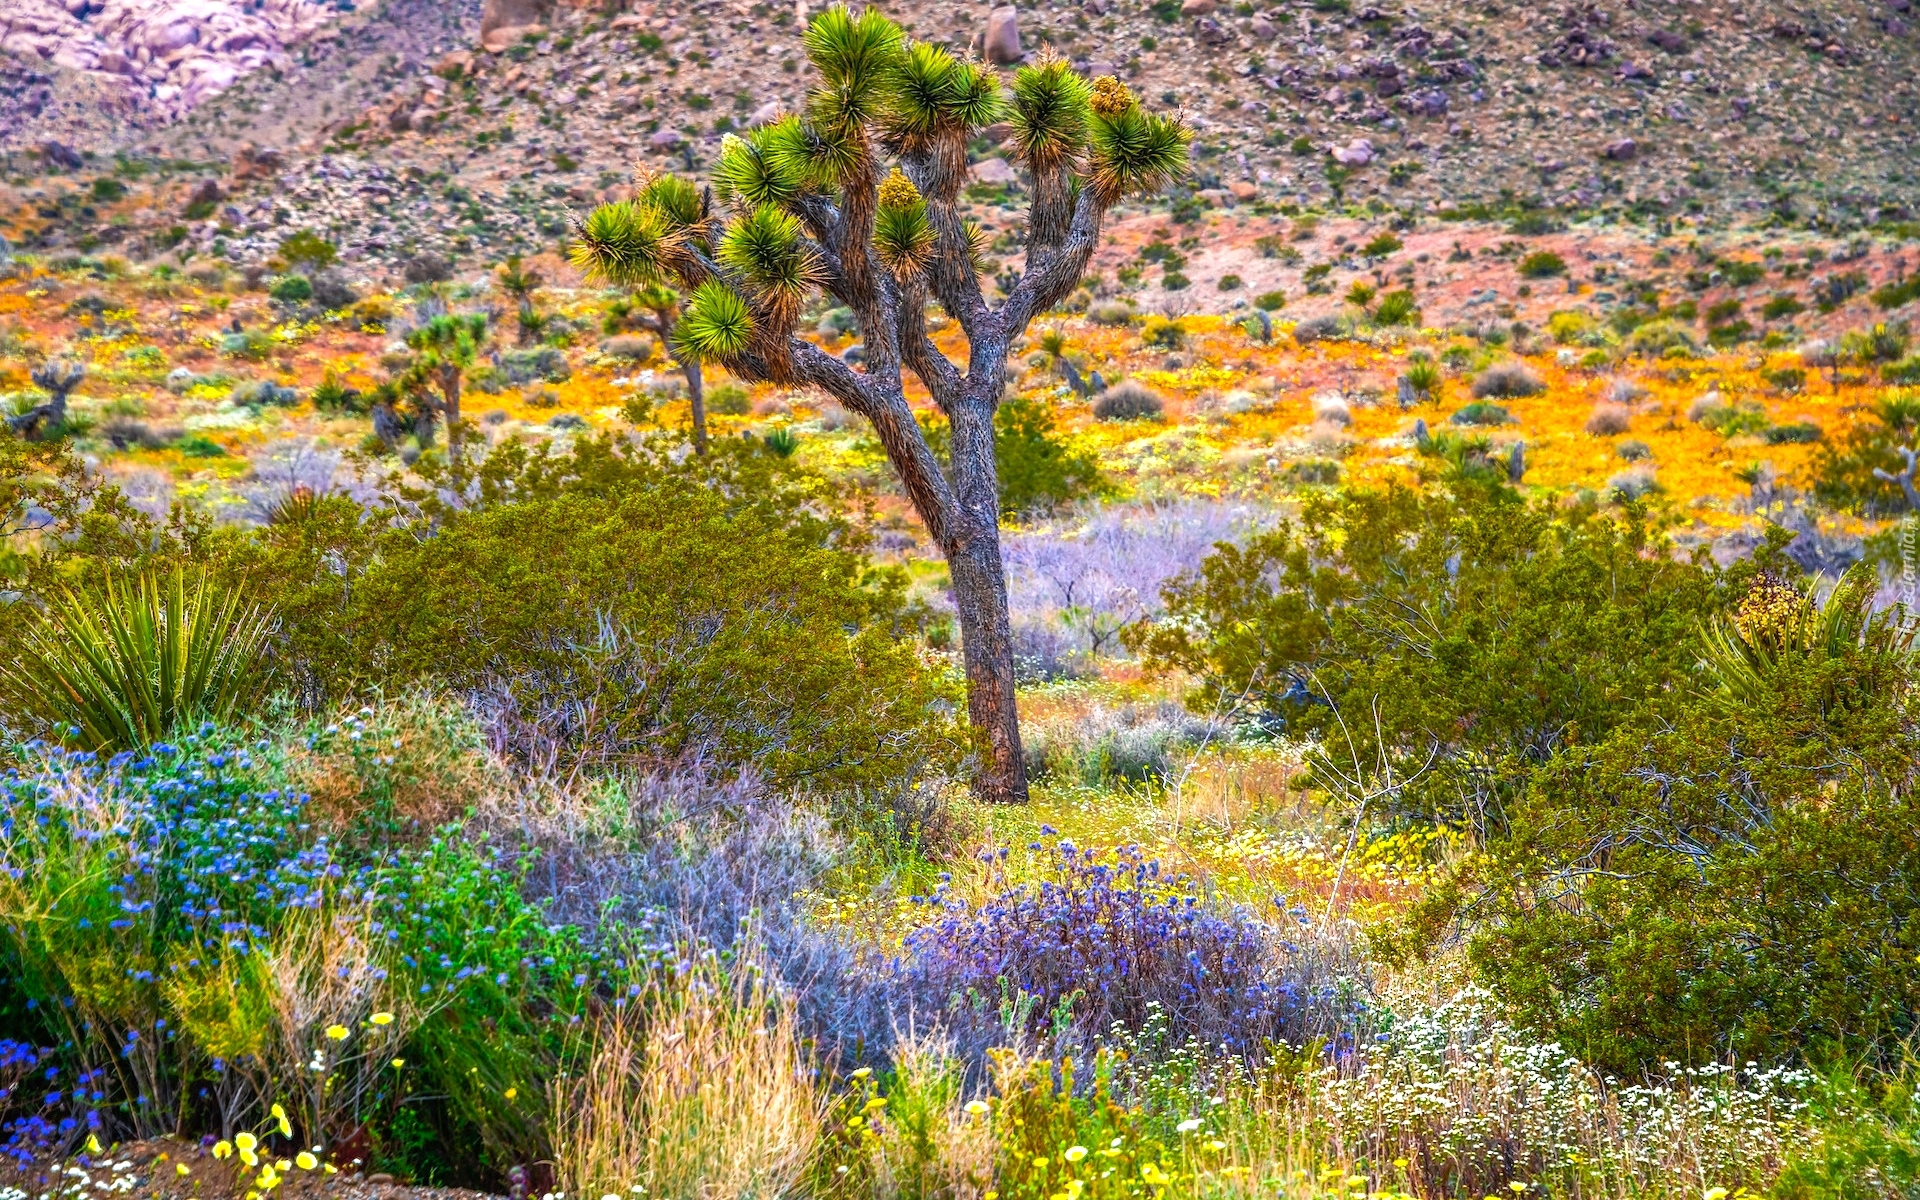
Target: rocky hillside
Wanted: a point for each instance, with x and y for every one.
(417, 127)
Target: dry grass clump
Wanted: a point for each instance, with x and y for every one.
(692, 1086)
(1609, 420)
(1331, 408)
(1507, 381)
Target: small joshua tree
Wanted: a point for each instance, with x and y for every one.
(656, 309)
(520, 282)
(445, 347)
(57, 378)
(810, 203)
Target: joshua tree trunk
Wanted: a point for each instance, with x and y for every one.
(697, 396)
(450, 408)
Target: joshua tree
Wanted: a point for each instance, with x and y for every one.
(810, 203)
(656, 309)
(446, 346)
(521, 282)
(58, 378)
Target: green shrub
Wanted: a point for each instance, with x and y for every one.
(1270, 301)
(1542, 264)
(1734, 878)
(730, 400)
(1039, 470)
(291, 289)
(1544, 627)
(679, 618)
(1482, 413)
(1659, 338)
(1231, 283)
(1382, 245)
(1792, 433)
(307, 252)
(1782, 305)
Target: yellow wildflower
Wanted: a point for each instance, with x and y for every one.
(305, 1160)
(337, 1032)
(897, 191)
(223, 1149)
(1110, 97)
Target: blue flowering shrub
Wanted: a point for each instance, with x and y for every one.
(199, 949)
(1109, 945)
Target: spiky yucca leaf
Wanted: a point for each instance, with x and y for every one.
(903, 238)
(856, 58)
(717, 325)
(1050, 113)
(139, 661)
(677, 199)
(979, 241)
(922, 89)
(851, 51)
(796, 151)
(766, 247)
(1136, 151)
(626, 243)
(748, 174)
(974, 98)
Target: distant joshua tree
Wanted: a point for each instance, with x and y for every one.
(656, 309)
(521, 282)
(810, 202)
(57, 378)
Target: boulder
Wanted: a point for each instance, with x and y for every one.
(766, 114)
(498, 41)
(1001, 45)
(1197, 8)
(993, 171)
(1356, 153)
(1243, 189)
(512, 14)
(1263, 29)
(1624, 150)
(1212, 32)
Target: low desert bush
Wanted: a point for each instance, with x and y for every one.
(1104, 942)
(1609, 420)
(1509, 380)
(1129, 400)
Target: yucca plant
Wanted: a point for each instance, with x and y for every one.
(138, 660)
(1777, 625)
(860, 197)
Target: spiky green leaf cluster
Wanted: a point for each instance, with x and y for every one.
(717, 325)
(771, 165)
(1135, 151)
(857, 58)
(625, 242)
(903, 238)
(138, 660)
(932, 92)
(1050, 113)
(766, 249)
(678, 201)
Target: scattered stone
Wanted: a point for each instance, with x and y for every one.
(1197, 8)
(1622, 150)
